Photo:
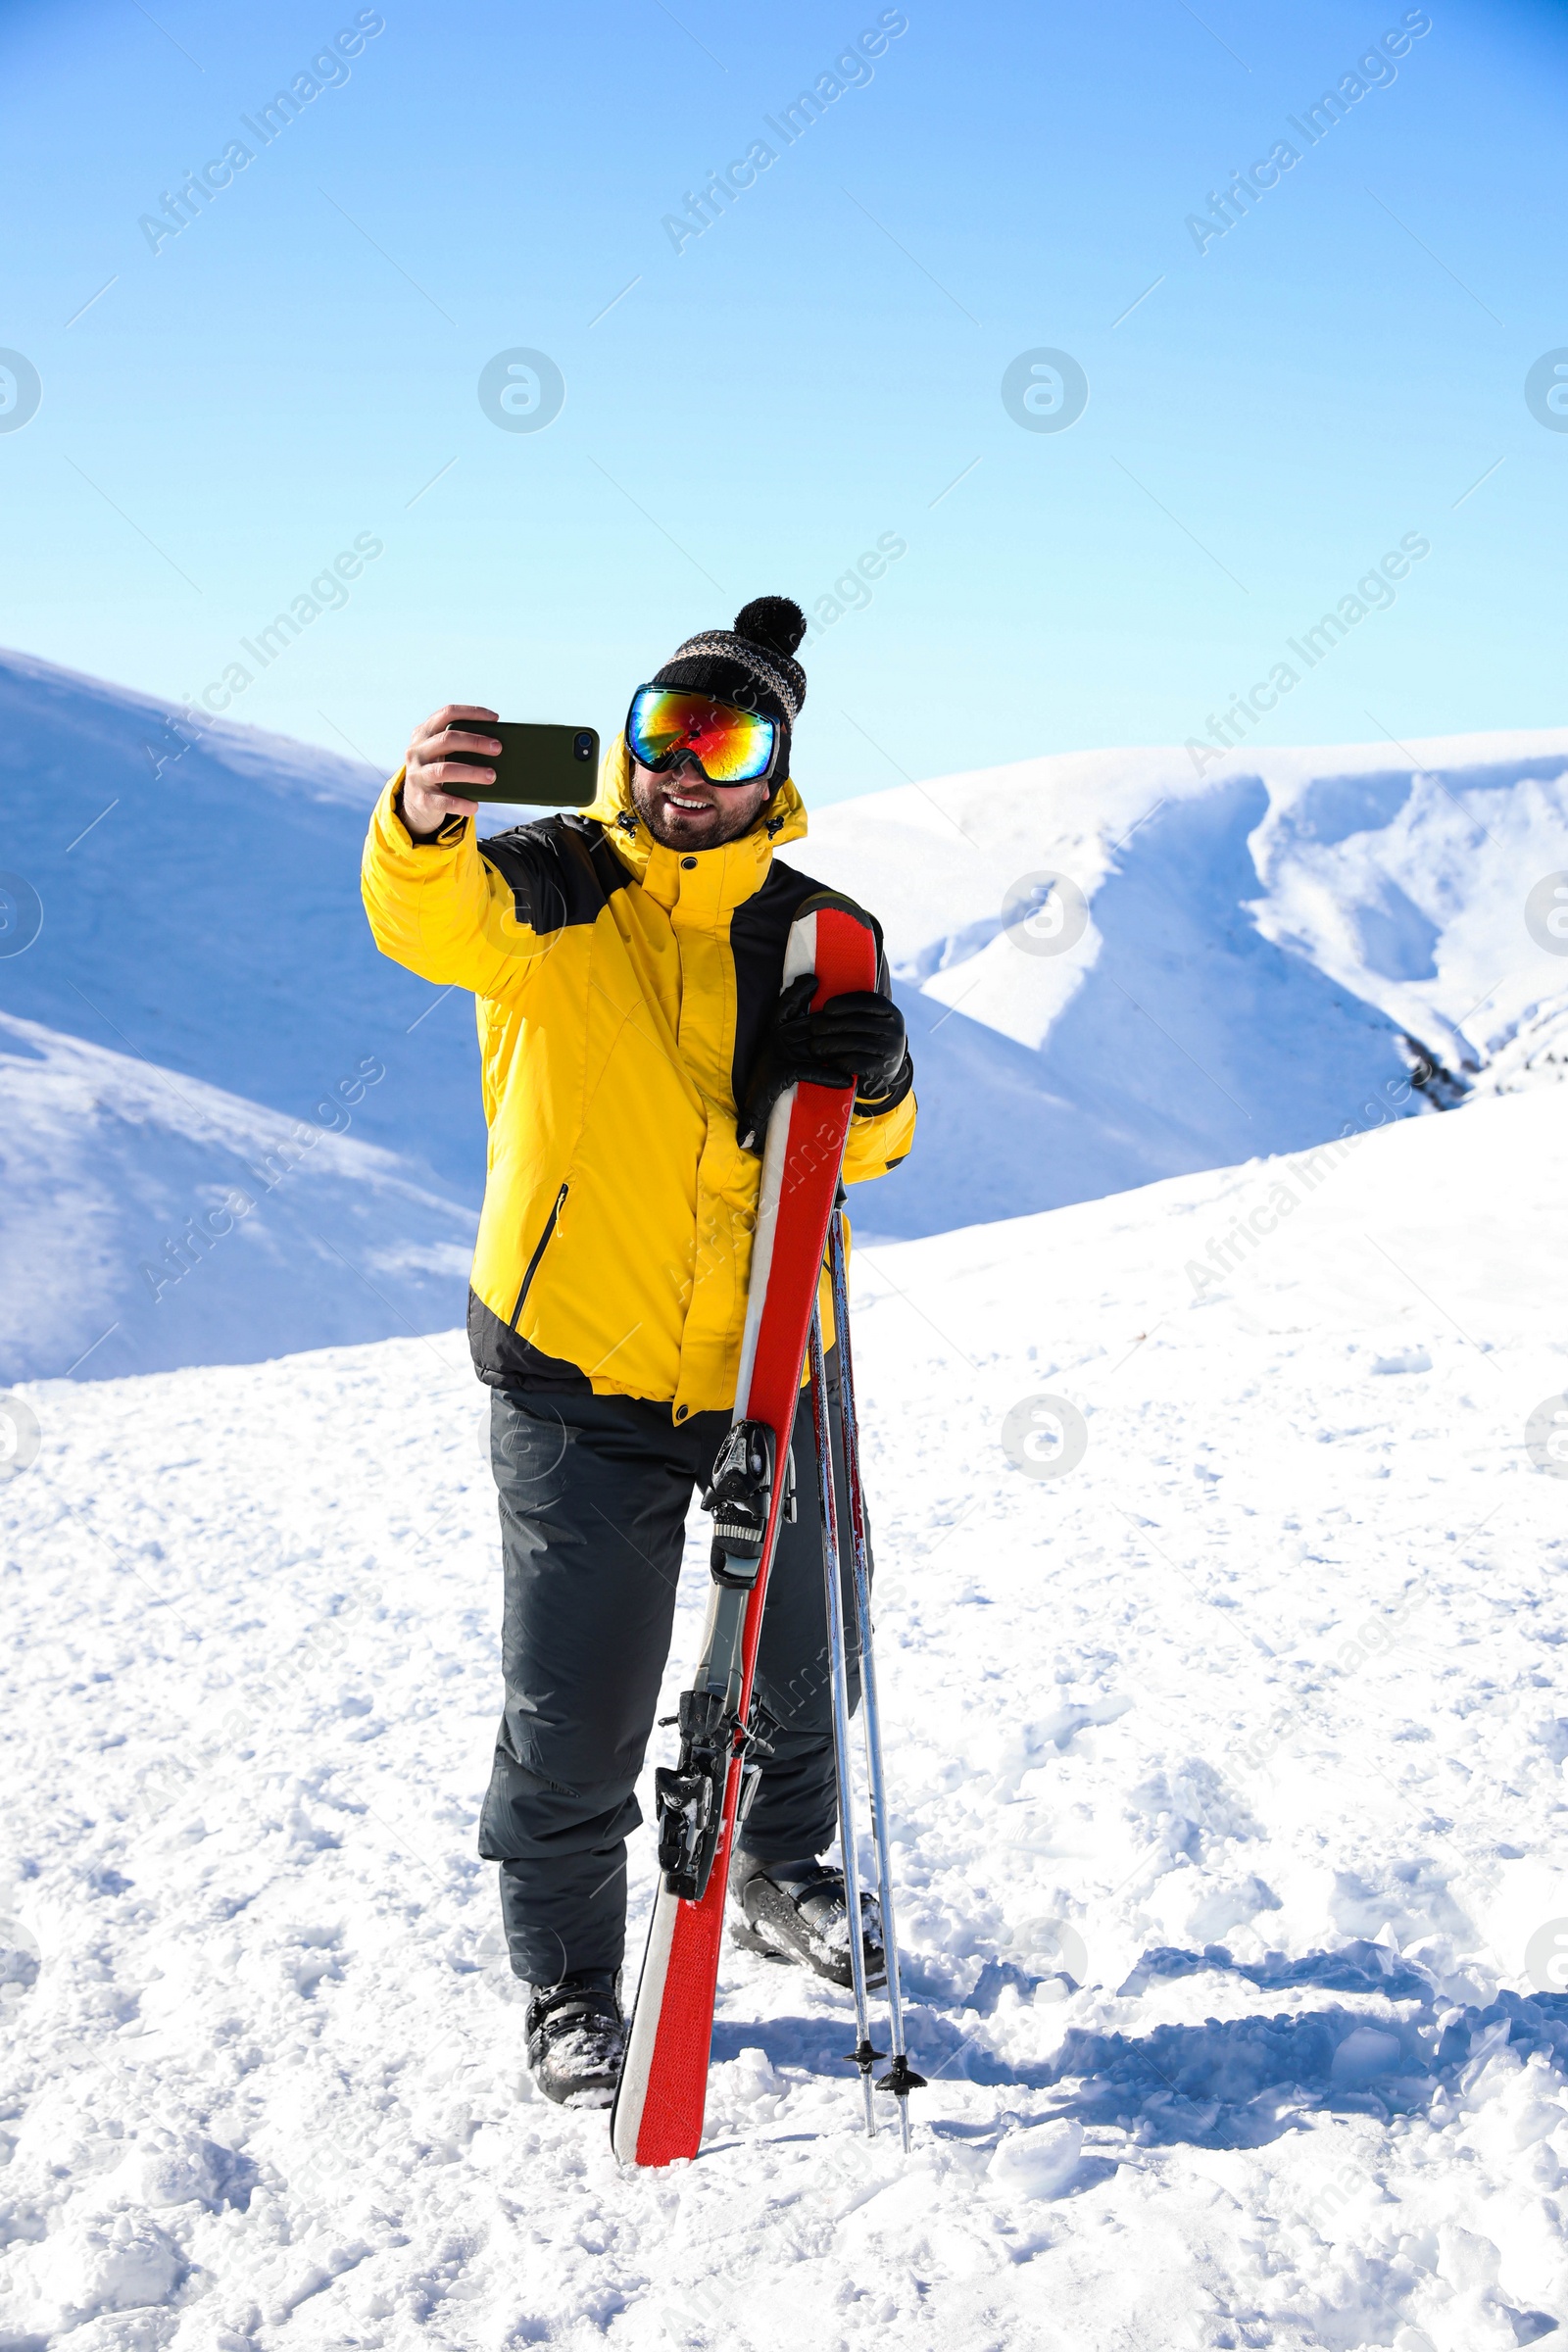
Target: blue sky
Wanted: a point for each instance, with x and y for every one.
(816, 375)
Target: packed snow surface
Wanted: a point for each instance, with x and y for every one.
(1114, 969)
(1226, 1806)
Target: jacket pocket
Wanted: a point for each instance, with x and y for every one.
(542, 1245)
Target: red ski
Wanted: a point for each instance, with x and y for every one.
(658, 2115)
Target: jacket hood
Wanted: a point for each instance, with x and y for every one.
(782, 819)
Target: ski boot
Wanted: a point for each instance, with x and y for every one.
(577, 2038)
(797, 1911)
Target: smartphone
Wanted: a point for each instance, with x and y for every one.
(537, 767)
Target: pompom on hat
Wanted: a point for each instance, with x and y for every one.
(751, 665)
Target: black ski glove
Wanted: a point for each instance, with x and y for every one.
(856, 1037)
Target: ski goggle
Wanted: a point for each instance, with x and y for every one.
(730, 745)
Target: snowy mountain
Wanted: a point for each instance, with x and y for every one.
(188, 1226)
(198, 897)
(1226, 1802)
(190, 983)
(1223, 966)
(1227, 965)
(1530, 1052)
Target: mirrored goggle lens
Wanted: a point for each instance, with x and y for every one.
(731, 746)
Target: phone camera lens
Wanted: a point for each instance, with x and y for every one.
(582, 745)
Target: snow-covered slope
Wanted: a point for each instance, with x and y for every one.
(186, 979)
(1530, 1052)
(199, 907)
(1246, 952)
(1253, 945)
(157, 1221)
(1228, 1810)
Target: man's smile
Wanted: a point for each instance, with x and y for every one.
(684, 808)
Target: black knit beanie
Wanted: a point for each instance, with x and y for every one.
(752, 665)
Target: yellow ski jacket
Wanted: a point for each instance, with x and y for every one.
(622, 992)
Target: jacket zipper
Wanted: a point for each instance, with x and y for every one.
(532, 1267)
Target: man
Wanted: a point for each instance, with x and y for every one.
(627, 968)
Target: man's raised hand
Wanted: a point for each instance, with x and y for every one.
(436, 770)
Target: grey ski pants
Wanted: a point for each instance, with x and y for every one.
(594, 1492)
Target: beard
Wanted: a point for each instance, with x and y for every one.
(682, 810)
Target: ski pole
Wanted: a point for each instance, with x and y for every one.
(900, 2077)
(864, 2055)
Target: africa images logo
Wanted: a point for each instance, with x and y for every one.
(850, 70)
(328, 69)
(1374, 69)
